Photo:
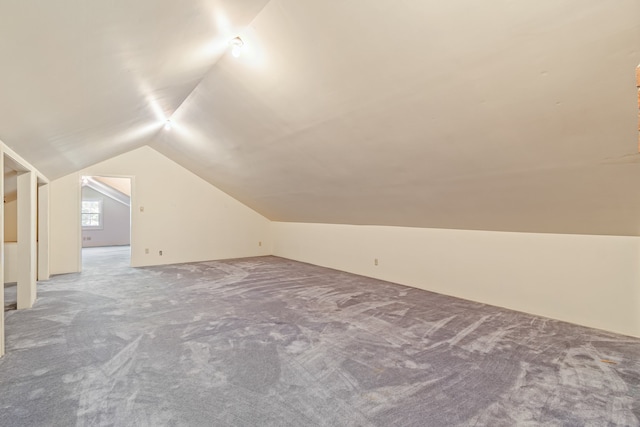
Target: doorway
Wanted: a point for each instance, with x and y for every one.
(105, 223)
(10, 242)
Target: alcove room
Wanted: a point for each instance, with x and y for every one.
(320, 213)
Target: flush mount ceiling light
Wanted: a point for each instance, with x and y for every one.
(168, 125)
(236, 46)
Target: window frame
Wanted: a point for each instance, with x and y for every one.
(100, 214)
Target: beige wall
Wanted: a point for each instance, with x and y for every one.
(10, 262)
(64, 231)
(184, 216)
(11, 221)
(588, 280)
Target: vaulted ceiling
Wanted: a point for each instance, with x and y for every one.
(496, 115)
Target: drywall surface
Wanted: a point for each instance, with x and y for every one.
(173, 211)
(10, 262)
(588, 280)
(115, 222)
(65, 225)
(393, 128)
(11, 221)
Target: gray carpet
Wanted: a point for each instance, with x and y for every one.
(10, 296)
(272, 342)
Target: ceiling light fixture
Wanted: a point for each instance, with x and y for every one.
(168, 125)
(236, 46)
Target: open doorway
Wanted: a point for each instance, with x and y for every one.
(25, 207)
(10, 236)
(105, 221)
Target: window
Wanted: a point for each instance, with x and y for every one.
(92, 214)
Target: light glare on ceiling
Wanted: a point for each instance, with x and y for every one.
(236, 46)
(168, 125)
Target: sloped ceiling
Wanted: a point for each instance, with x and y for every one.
(496, 115)
(82, 81)
(123, 185)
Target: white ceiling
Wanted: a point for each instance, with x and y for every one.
(83, 81)
(496, 115)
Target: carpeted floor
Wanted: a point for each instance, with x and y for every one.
(272, 342)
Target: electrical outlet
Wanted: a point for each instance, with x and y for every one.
(375, 261)
(146, 251)
(259, 243)
(160, 253)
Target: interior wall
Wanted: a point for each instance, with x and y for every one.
(10, 262)
(11, 221)
(115, 229)
(65, 224)
(587, 280)
(173, 211)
